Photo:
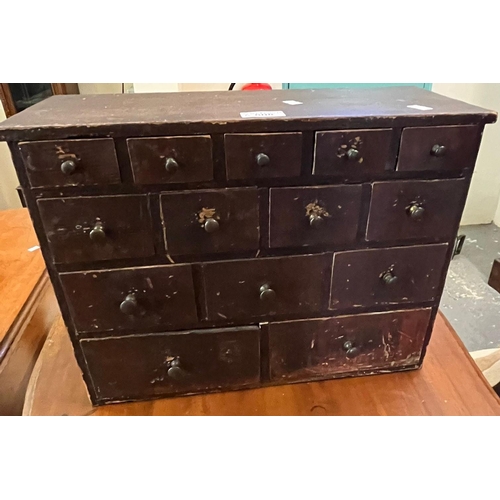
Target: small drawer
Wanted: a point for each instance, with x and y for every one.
(168, 160)
(325, 347)
(309, 216)
(407, 210)
(211, 221)
(134, 299)
(76, 162)
(439, 148)
(142, 366)
(403, 275)
(94, 228)
(257, 288)
(260, 156)
(351, 152)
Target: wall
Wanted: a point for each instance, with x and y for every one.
(8, 177)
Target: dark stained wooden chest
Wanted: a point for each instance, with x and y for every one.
(203, 242)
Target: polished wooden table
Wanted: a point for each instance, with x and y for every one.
(449, 383)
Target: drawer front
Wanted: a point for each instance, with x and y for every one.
(212, 221)
(439, 148)
(96, 228)
(320, 348)
(407, 210)
(257, 288)
(78, 162)
(166, 160)
(310, 216)
(141, 366)
(364, 278)
(258, 156)
(131, 299)
(351, 152)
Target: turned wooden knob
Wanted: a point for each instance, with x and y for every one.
(267, 294)
(262, 160)
(352, 154)
(316, 221)
(351, 350)
(438, 150)
(416, 211)
(171, 165)
(176, 371)
(68, 167)
(98, 234)
(129, 305)
(211, 225)
(389, 278)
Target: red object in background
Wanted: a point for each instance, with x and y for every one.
(257, 86)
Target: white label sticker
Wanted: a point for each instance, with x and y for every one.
(420, 108)
(32, 249)
(293, 103)
(262, 114)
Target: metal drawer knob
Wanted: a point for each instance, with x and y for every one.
(267, 294)
(416, 211)
(175, 371)
(262, 160)
(438, 150)
(171, 165)
(351, 350)
(389, 278)
(129, 305)
(352, 154)
(316, 221)
(68, 167)
(211, 225)
(98, 234)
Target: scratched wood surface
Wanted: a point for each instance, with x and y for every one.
(449, 383)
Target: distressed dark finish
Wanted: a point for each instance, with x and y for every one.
(135, 299)
(211, 221)
(94, 162)
(69, 222)
(314, 216)
(350, 152)
(258, 156)
(141, 365)
(318, 348)
(412, 210)
(358, 276)
(192, 157)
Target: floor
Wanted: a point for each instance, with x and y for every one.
(471, 306)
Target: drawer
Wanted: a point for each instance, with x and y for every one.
(351, 152)
(439, 148)
(260, 156)
(94, 228)
(407, 210)
(257, 288)
(77, 162)
(365, 278)
(142, 366)
(166, 160)
(134, 299)
(320, 348)
(211, 221)
(308, 216)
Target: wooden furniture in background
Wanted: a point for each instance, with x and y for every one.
(494, 279)
(27, 307)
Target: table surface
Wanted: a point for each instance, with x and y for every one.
(449, 383)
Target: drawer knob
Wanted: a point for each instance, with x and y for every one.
(438, 150)
(68, 167)
(352, 154)
(171, 165)
(211, 225)
(98, 234)
(389, 278)
(175, 371)
(262, 160)
(316, 221)
(416, 211)
(267, 294)
(129, 305)
(351, 350)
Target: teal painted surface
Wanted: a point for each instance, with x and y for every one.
(427, 86)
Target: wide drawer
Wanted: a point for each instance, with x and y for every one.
(76, 162)
(211, 221)
(351, 152)
(439, 148)
(95, 228)
(167, 160)
(308, 216)
(134, 299)
(365, 278)
(320, 348)
(406, 210)
(257, 156)
(258, 288)
(142, 366)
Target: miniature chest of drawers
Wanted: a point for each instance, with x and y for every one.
(205, 242)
